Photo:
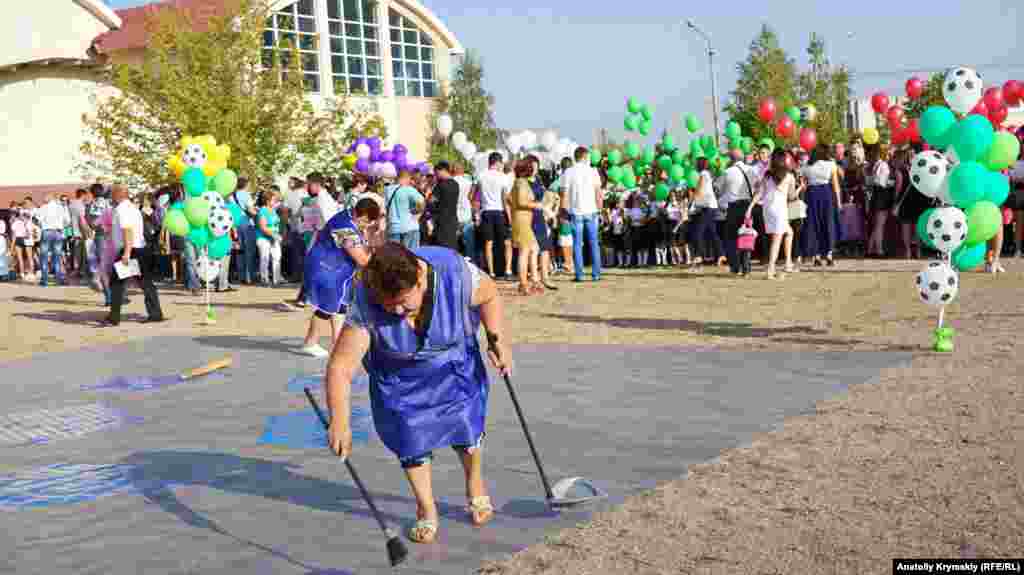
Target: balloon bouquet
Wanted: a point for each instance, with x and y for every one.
(966, 180)
(367, 156)
(204, 219)
(785, 123)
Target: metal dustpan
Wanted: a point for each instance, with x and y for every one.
(574, 491)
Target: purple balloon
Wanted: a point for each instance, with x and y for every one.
(387, 156)
(400, 149)
(362, 165)
(374, 143)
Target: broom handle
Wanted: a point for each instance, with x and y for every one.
(208, 368)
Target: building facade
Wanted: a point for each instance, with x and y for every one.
(393, 55)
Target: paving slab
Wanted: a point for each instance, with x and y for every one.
(229, 473)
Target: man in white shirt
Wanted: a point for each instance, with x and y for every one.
(737, 191)
(581, 203)
(293, 199)
(53, 218)
(494, 221)
(130, 244)
(467, 231)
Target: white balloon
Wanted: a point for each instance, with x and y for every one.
(947, 228)
(219, 221)
(469, 150)
(208, 270)
(549, 140)
(928, 171)
(444, 125)
(512, 142)
(962, 89)
(459, 139)
(362, 151)
(529, 139)
(389, 170)
(943, 194)
(937, 284)
(215, 200)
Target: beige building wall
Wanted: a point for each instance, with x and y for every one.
(47, 29)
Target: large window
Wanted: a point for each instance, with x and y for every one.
(355, 47)
(412, 58)
(294, 25)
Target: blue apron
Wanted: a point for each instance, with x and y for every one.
(328, 268)
(430, 394)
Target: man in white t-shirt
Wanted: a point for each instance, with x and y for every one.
(130, 244)
(293, 199)
(467, 231)
(737, 191)
(494, 221)
(53, 218)
(581, 204)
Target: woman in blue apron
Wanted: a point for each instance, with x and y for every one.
(413, 325)
(339, 250)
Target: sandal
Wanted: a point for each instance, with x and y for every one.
(480, 510)
(524, 291)
(423, 531)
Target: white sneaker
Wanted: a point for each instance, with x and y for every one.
(315, 350)
(998, 268)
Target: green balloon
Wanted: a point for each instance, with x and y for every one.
(665, 162)
(632, 150)
(646, 112)
(983, 222)
(194, 181)
(937, 125)
(197, 211)
(747, 145)
(794, 114)
(226, 181)
(967, 183)
(661, 192)
(648, 155)
(922, 228)
(176, 223)
(615, 174)
(968, 257)
(615, 157)
(631, 123)
(633, 105)
(677, 173)
(997, 188)
(668, 143)
(708, 143)
(628, 170)
(693, 124)
(973, 137)
(595, 157)
(199, 236)
(733, 130)
(677, 157)
(645, 127)
(696, 147)
(1003, 152)
(767, 142)
(692, 178)
(219, 247)
(629, 180)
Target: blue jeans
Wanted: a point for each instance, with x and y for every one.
(248, 259)
(188, 260)
(51, 249)
(469, 241)
(585, 225)
(410, 240)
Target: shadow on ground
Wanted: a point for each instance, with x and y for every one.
(76, 317)
(719, 329)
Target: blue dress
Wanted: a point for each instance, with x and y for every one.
(821, 228)
(328, 268)
(427, 392)
(540, 227)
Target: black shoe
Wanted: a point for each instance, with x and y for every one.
(154, 320)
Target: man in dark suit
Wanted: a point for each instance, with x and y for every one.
(446, 208)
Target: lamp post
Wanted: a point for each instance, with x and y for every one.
(711, 68)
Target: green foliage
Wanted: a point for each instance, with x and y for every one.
(767, 72)
(932, 96)
(213, 79)
(471, 108)
(828, 89)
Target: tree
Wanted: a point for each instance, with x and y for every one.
(767, 72)
(217, 80)
(828, 89)
(470, 106)
(932, 96)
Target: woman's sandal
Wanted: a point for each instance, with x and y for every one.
(524, 291)
(480, 510)
(423, 531)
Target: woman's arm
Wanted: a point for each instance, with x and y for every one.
(835, 188)
(264, 227)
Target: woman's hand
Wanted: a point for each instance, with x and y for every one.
(339, 437)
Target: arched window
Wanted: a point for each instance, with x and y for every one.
(355, 47)
(296, 22)
(412, 58)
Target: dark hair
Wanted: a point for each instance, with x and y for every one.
(566, 163)
(702, 164)
(392, 269)
(581, 153)
(313, 178)
(534, 159)
(81, 192)
(872, 152)
(524, 168)
(368, 208)
(442, 166)
(494, 159)
(821, 153)
(778, 167)
(360, 179)
(242, 183)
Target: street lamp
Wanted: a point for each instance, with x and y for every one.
(711, 66)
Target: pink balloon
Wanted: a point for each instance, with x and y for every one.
(1012, 92)
(784, 127)
(915, 87)
(766, 111)
(808, 139)
(998, 116)
(880, 102)
(993, 98)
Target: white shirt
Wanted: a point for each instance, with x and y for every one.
(580, 182)
(465, 209)
(327, 206)
(706, 196)
(293, 201)
(494, 186)
(880, 175)
(734, 185)
(819, 173)
(53, 216)
(126, 215)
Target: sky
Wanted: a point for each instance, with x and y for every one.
(569, 65)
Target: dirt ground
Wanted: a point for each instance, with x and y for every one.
(924, 462)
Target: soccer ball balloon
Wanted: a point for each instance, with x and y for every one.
(194, 156)
(947, 228)
(215, 199)
(928, 170)
(207, 269)
(962, 90)
(220, 221)
(937, 284)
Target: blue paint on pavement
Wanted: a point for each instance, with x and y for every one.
(303, 430)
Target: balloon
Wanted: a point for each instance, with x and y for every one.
(664, 162)
(693, 125)
(633, 105)
(595, 157)
(766, 110)
(363, 165)
(999, 115)
(668, 142)
(469, 150)
(915, 87)
(197, 211)
(973, 137)
(615, 157)
(980, 109)
(176, 223)
(747, 145)
(677, 157)
(629, 179)
(808, 139)
(692, 178)
(444, 125)
(733, 130)
(808, 113)
(962, 89)
(895, 116)
(1013, 91)
(661, 192)
(646, 112)
(648, 156)
(899, 136)
(983, 222)
(615, 174)
(199, 236)
(401, 150)
(631, 123)
(632, 150)
(220, 221)
(967, 184)
(947, 229)
(459, 139)
(219, 247)
(993, 98)
(349, 160)
(922, 227)
(937, 124)
(785, 126)
(194, 181)
(676, 173)
(363, 151)
(969, 256)
(871, 136)
(928, 172)
(913, 131)
(997, 188)
(770, 143)
(374, 143)
(645, 127)
(794, 114)
(880, 102)
(937, 284)
(225, 182)
(1003, 152)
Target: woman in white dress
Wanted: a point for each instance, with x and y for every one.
(776, 187)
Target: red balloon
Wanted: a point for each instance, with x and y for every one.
(913, 131)
(880, 102)
(998, 116)
(808, 139)
(895, 116)
(980, 108)
(993, 98)
(899, 136)
(784, 127)
(767, 110)
(915, 87)
(1012, 92)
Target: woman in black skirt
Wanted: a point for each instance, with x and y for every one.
(883, 198)
(910, 203)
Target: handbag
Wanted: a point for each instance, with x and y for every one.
(796, 207)
(746, 236)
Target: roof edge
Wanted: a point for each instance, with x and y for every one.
(102, 12)
(417, 7)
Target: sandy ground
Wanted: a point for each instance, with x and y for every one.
(925, 462)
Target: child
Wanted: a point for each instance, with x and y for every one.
(565, 242)
(617, 221)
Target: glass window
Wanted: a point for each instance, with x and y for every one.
(352, 10)
(409, 37)
(394, 19)
(338, 64)
(372, 49)
(399, 87)
(396, 52)
(334, 28)
(353, 47)
(305, 7)
(425, 39)
(412, 70)
(414, 89)
(285, 22)
(369, 11)
(340, 87)
(411, 53)
(412, 56)
(370, 32)
(267, 59)
(333, 10)
(307, 25)
(396, 35)
(312, 82)
(356, 85)
(427, 54)
(337, 46)
(406, 23)
(352, 30)
(428, 71)
(429, 90)
(397, 69)
(355, 66)
(372, 67)
(307, 42)
(373, 86)
(310, 62)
